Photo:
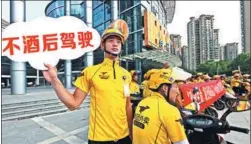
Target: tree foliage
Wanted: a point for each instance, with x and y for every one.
(226, 66)
(243, 61)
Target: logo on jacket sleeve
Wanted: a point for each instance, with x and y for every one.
(143, 108)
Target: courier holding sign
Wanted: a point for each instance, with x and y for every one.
(46, 40)
(208, 93)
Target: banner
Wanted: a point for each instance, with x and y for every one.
(207, 94)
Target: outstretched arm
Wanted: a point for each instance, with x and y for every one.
(71, 101)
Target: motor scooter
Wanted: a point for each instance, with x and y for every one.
(205, 129)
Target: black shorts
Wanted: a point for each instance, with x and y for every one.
(125, 140)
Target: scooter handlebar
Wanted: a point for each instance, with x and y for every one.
(238, 129)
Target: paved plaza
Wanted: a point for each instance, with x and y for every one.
(71, 127)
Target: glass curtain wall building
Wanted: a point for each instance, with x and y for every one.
(133, 12)
(101, 20)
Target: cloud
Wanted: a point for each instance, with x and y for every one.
(46, 40)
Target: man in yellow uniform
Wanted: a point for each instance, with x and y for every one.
(108, 83)
(156, 120)
(246, 89)
(206, 78)
(143, 84)
(134, 86)
(199, 78)
(146, 91)
(134, 89)
(245, 78)
(216, 77)
(236, 83)
(223, 80)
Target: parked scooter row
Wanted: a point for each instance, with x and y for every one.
(205, 129)
(227, 99)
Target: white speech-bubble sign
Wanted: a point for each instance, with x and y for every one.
(45, 40)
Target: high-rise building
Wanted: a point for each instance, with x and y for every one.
(230, 51)
(221, 52)
(201, 40)
(245, 25)
(185, 63)
(206, 37)
(175, 44)
(192, 43)
(216, 49)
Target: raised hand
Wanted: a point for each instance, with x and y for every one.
(50, 74)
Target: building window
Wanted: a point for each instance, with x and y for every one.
(98, 15)
(97, 3)
(107, 10)
(125, 4)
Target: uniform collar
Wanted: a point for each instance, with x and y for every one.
(158, 95)
(110, 62)
(134, 82)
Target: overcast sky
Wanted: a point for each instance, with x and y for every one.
(227, 17)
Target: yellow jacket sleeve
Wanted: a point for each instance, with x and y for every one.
(82, 81)
(174, 125)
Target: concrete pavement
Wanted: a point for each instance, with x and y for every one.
(64, 128)
(72, 127)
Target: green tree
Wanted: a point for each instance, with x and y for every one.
(213, 67)
(242, 60)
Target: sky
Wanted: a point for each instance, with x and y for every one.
(226, 19)
(226, 14)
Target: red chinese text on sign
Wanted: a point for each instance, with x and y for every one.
(31, 44)
(11, 45)
(84, 39)
(50, 42)
(68, 40)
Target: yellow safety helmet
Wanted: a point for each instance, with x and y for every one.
(246, 84)
(148, 73)
(235, 71)
(134, 72)
(216, 76)
(118, 28)
(162, 76)
(246, 75)
(206, 77)
(236, 75)
(199, 74)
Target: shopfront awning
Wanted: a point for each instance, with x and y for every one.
(157, 56)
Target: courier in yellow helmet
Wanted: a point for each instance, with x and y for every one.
(135, 89)
(156, 120)
(134, 86)
(108, 84)
(245, 78)
(199, 77)
(146, 91)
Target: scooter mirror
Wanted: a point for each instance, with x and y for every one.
(240, 105)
